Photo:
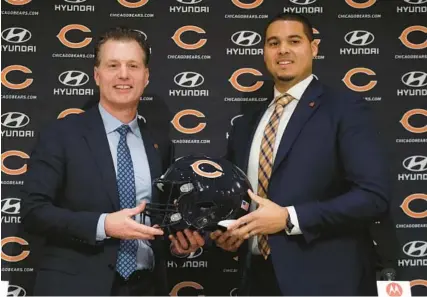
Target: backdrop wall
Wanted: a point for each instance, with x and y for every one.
(206, 60)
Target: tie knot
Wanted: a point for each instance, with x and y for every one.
(283, 99)
(123, 130)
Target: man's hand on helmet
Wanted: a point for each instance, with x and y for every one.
(226, 241)
(186, 242)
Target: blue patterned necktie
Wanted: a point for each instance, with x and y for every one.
(126, 260)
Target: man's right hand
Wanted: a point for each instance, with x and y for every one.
(226, 241)
(120, 224)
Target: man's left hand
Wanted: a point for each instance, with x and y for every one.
(268, 218)
(186, 242)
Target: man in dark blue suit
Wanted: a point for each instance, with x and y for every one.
(89, 178)
(318, 176)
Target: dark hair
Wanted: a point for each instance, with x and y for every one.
(308, 28)
(122, 33)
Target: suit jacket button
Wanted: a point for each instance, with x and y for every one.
(111, 266)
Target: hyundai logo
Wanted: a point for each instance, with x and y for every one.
(415, 249)
(11, 206)
(416, 2)
(188, 79)
(16, 35)
(15, 291)
(359, 38)
(73, 78)
(189, 1)
(246, 38)
(303, 2)
(14, 120)
(415, 163)
(415, 79)
(75, 1)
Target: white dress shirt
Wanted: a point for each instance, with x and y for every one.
(253, 166)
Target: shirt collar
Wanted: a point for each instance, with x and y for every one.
(297, 90)
(111, 123)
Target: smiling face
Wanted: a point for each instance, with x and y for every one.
(288, 53)
(121, 74)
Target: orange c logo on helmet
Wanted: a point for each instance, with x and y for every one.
(405, 120)
(351, 86)
(179, 286)
(252, 5)
(17, 258)
(404, 37)
(177, 38)
(186, 112)
(13, 86)
(315, 31)
(63, 38)
(239, 87)
(133, 4)
(69, 111)
(418, 282)
(18, 2)
(215, 174)
(411, 213)
(13, 153)
(365, 4)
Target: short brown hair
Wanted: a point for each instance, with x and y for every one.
(122, 33)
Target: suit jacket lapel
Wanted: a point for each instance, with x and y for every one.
(254, 118)
(97, 141)
(308, 104)
(153, 156)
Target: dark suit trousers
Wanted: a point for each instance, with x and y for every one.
(140, 283)
(263, 281)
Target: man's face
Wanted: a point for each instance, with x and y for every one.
(121, 74)
(288, 53)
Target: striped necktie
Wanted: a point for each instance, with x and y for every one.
(266, 158)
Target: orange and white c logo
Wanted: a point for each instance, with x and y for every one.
(365, 4)
(133, 4)
(63, 38)
(13, 86)
(179, 286)
(252, 5)
(411, 213)
(186, 112)
(13, 153)
(418, 282)
(177, 38)
(215, 174)
(404, 37)
(239, 87)
(351, 86)
(69, 111)
(17, 258)
(315, 31)
(18, 2)
(405, 120)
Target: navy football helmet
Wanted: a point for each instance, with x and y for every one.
(198, 192)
